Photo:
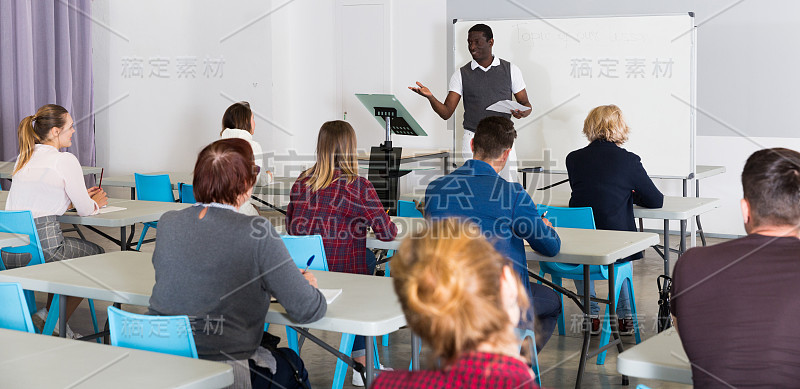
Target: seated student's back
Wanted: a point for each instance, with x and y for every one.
(733, 303)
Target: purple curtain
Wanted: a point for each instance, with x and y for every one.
(46, 58)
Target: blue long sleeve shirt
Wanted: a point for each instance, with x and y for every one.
(505, 213)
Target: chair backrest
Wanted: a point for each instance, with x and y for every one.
(163, 334)
(154, 187)
(577, 217)
(186, 193)
(21, 222)
(301, 248)
(14, 313)
(407, 209)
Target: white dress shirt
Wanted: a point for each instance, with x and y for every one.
(517, 83)
(258, 154)
(48, 183)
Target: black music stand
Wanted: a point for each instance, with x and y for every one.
(384, 160)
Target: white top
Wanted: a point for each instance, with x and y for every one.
(263, 177)
(48, 183)
(517, 83)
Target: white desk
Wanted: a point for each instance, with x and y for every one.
(675, 208)
(38, 361)
(136, 211)
(661, 357)
(7, 169)
(13, 240)
(128, 278)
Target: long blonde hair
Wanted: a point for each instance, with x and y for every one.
(34, 129)
(607, 123)
(336, 149)
(448, 280)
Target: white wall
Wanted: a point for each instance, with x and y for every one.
(290, 54)
(148, 123)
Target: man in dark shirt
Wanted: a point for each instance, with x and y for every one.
(733, 303)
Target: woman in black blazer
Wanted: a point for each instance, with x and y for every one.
(610, 179)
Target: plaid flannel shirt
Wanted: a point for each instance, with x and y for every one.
(471, 370)
(340, 213)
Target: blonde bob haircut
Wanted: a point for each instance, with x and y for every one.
(606, 123)
(336, 149)
(448, 280)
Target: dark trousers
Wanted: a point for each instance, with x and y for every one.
(262, 378)
(545, 307)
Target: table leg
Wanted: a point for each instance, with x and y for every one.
(612, 307)
(524, 180)
(370, 359)
(133, 193)
(446, 160)
(666, 247)
(587, 325)
(123, 243)
(62, 316)
(683, 237)
(415, 349)
(684, 187)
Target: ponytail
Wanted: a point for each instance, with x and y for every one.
(34, 130)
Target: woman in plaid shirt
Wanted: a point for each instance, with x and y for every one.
(463, 299)
(331, 200)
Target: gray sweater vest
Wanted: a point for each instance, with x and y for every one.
(482, 89)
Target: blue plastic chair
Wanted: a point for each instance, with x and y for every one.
(301, 248)
(407, 209)
(21, 222)
(152, 187)
(582, 217)
(532, 350)
(186, 193)
(163, 334)
(14, 313)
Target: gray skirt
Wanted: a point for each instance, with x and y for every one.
(55, 246)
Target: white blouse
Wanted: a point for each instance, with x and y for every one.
(48, 183)
(264, 178)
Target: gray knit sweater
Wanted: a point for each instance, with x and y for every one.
(221, 271)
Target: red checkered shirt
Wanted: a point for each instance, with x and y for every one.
(471, 370)
(340, 213)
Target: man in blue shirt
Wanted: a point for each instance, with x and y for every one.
(503, 210)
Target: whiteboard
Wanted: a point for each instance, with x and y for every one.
(643, 64)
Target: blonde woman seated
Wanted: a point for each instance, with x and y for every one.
(464, 300)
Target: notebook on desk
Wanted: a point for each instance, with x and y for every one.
(330, 295)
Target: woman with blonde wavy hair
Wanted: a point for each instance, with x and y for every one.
(47, 182)
(464, 300)
(331, 200)
(611, 180)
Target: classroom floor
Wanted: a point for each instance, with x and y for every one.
(558, 360)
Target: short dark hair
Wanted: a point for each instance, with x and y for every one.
(480, 27)
(493, 135)
(237, 116)
(224, 171)
(771, 185)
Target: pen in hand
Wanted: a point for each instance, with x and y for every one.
(308, 264)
